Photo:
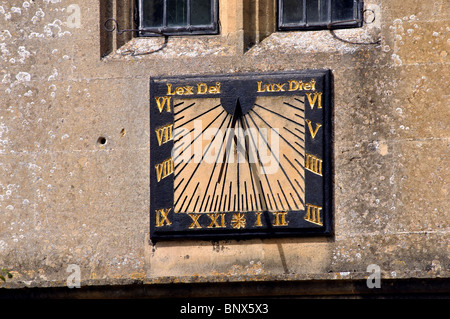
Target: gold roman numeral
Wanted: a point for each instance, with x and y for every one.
(164, 169)
(162, 101)
(313, 164)
(317, 97)
(214, 220)
(161, 217)
(195, 223)
(313, 132)
(258, 219)
(164, 134)
(313, 214)
(280, 219)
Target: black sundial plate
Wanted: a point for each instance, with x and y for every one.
(242, 155)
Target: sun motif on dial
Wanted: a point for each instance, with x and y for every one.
(238, 220)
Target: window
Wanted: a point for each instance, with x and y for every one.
(319, 14)
(178, 17)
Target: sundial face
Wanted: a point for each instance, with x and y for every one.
(240, 155)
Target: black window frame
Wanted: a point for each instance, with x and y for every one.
(209, 29)
(356, 22)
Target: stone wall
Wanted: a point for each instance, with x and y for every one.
(74, 144)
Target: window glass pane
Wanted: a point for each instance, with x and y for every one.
(342, 10)
(201, 12)
(292, 11)
(316, 11)
(176, 13)
(153, 13)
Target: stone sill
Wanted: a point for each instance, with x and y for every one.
(307, 42)
(334, 277)
(177, 47)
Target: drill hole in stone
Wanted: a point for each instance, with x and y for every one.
(101, 140)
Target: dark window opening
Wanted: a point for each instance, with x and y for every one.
(177, 17)
(319, 14)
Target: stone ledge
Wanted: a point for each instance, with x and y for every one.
(334, 278)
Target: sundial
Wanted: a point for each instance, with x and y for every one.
(242, 155)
